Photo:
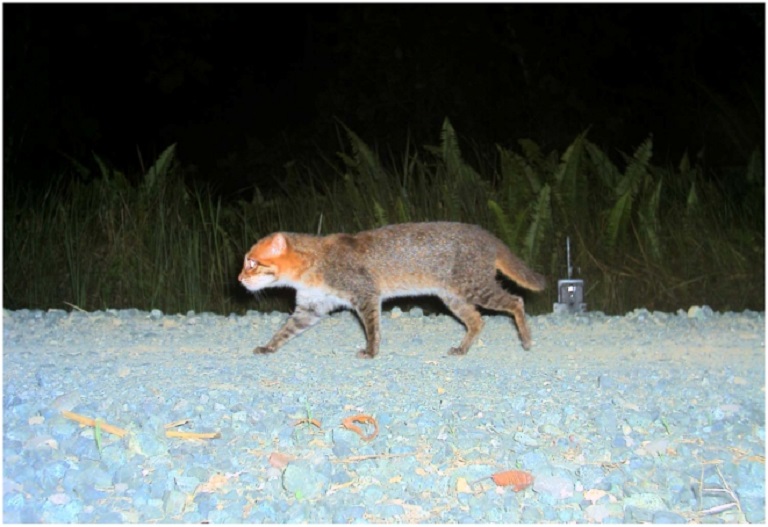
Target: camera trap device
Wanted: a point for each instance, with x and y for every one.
(570, 291)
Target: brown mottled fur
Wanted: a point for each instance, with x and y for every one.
(453, 261)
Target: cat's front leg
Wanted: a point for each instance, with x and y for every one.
(302, 319)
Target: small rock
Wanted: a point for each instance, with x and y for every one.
(645, 500)
(525, 439)
(700, 313)
(416, 312)
(341, 448)
(668, 517)
(186, 484)
(349, 514)
(174, 502)
(280, 460)
(390, 510)
(534, 460)
(462, 486)
(59, 498)
(550, 429)
(66, 401)
(656, 447)
(555, 486)
(637, 515)
(596, 513)
(606, 381)
(41, 442)
(303, 481)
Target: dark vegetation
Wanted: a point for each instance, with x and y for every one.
(643, 235)
(637, 130)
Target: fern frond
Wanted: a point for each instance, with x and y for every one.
(649, 221)
(103, 168)
(692, 202)
(532, 151)
(637, 170)
(519, 182)
(449, 148)
(569, 168)
(159, 171)
(352, 195)
(540, 227)
(619, 217)
(380, 214)
(403, 215)
(572, 188)
(365, 161)
(606, 171)
(503, 223)
(755, 172)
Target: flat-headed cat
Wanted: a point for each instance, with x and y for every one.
(453, 261)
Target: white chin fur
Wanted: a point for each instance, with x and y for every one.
(256, 283)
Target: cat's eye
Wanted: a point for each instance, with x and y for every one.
(251, 264)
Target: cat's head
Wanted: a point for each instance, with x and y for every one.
(271, 262)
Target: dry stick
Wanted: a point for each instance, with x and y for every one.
(193, 435)
(354, 459)
(174, 424)
(719, 508)
(307, 421)
(87, 421)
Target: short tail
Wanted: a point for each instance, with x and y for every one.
(514, 268)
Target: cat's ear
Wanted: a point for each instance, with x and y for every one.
(276, 246)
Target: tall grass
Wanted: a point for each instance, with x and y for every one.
(642, 235)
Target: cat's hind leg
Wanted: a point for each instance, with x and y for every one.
(498, 299)
(469, 316)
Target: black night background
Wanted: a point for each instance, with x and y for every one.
(250, 92)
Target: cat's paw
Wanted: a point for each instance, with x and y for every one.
(263, 350)
(365, 354)
(456, 351)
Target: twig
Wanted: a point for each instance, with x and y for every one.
(307, 421)
(174, 424)
(87, 421)
(720, 508)
(192, 435)
(354, 459)
(73, 306)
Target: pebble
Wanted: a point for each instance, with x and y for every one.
(616, 420)
(644, 500)
(667, 517)
(302, 481)
(557, 487)
(173, 502)
(349, 514)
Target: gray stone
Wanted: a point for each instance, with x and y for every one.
(554, 486)
(668, 517)
(173, 502)
(303, 481)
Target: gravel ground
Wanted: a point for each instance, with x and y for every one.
(649, 417)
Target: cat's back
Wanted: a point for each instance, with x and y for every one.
(432, 237)
(406, 248)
